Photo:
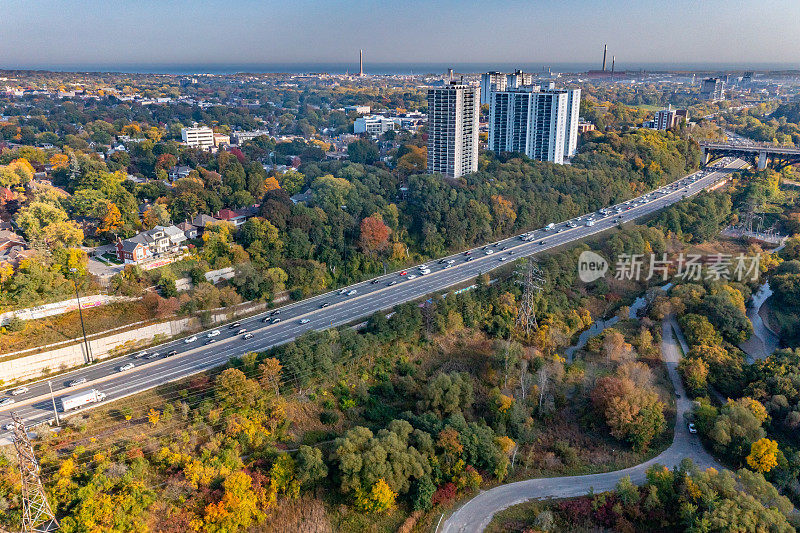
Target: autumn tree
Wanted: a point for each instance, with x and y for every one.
(110, 219)
(763, 455)
(156, 215)
(374, 234)
(379, 498)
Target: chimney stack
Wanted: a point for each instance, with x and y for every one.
(613, 59)
(361, 62)
(605, 50)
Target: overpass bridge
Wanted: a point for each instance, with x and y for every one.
(759, 155)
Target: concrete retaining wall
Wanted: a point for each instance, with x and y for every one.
(59, 359)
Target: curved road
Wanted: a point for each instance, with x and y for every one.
(337, 307)
(476, 514)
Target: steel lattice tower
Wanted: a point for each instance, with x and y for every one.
(37, 516)
(532, 280)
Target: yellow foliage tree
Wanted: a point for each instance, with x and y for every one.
(763, 455)
(378, 499)
(153, 416)
(58, 161)
(270, 184)
(111, 221)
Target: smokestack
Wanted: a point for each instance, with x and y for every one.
(605, 49)
(613, 59)
(361, 62)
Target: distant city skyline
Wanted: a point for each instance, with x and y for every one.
(101, 35)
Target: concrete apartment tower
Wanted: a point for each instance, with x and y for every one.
(453, 112)
(541, 123)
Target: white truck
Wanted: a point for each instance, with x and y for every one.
(73, 401)
(550, 226)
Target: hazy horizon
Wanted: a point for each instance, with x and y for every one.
(55, 34)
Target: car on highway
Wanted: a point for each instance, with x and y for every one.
(242, 330)
(342, 292)
(275, 312)
(352, 292)
(541, 243)
(247, 336)
(6, 401)
(374, 281)
(404, 273)
(235, 325)
(512, 252)
(139, 355)
(151, 355)
(451, 261)
(324, 305)
(76, 381)
(305, 320)
(692, 428)
(489, 252)
(126, 367)
(391, 283)
(212, 334)
(172, 352)
(275, 320)
(190, 340)
(470, 258)
(502, 259)
(468, 253)
(210, 341)
(412, 276)
(19, 390)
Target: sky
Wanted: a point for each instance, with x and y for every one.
(64, 33)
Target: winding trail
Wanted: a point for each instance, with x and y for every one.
(476, 514)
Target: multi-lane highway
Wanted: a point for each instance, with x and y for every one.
(184, 357)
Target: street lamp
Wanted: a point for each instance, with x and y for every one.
(80, 312)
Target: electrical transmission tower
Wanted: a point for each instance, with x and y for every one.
(532, 280)
(36, 513)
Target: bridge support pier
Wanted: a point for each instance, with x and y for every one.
(762, 160)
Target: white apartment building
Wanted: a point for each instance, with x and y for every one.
(490, 82)
(373, 125)
(200, 137)
(453, 112)
(360, 109)
(540, 123)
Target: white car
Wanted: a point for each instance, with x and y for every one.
(305, 321)
(412, 276)
(77, 381)
(352, 292)
(489, 252)
(19, 390)
(126, 367)
(692, 429)
(191, 339)
(213, 334)
(243, 330)
(247, 336)
(451, 261)
(502, 259)
(6, 401)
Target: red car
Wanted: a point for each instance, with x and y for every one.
(403, 273)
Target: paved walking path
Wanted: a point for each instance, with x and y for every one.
(476, 514)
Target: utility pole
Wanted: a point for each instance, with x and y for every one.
(532, 280)
(53, 398)
(37, 516)
(89, 358)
